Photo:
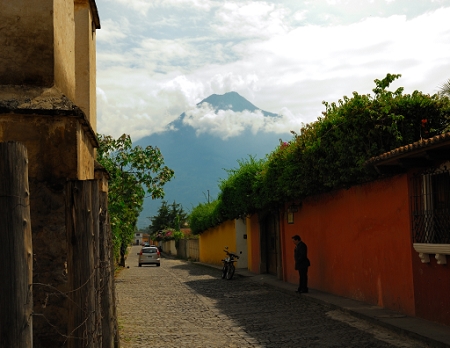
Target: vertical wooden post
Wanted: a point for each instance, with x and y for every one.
(110, 334)
(97, 263)
(81, 206)
(16, 255)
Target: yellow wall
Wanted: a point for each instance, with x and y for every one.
(26, 42)
(85, 155)
(51, 43)
(44, 138)
(213, 242)
(64, 47)
(85, 58)
(248, 224)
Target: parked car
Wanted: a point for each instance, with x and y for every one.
(146, 244)
(149, 255)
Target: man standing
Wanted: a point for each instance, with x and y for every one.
(301, 263)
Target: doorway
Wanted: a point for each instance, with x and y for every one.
(269, 244)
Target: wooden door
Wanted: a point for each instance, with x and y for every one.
(270, 242)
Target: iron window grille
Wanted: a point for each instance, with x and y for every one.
(430, 206)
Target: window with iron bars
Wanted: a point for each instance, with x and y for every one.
(430, 206)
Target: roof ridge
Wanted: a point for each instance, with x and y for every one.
(422, 143)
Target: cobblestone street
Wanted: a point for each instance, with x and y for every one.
(181, 304)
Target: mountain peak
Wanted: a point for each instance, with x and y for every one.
(232, 101)
(198, 159)
(229, 101)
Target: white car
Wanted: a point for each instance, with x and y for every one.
(150, 255)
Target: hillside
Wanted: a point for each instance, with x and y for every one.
(200, 161)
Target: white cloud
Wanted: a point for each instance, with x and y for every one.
(227, 123)
(113, 31)
(250, 19)
(312, 63)
(165, 54)
(143, 6)
(279, 68)
(198, 4)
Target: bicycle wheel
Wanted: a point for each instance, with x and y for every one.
(230, 271)
(224, 271)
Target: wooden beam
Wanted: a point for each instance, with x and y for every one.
(16, 250)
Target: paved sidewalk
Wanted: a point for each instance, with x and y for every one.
(433, 334)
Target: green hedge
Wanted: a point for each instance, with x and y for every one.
(330, 153)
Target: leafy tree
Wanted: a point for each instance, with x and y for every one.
(330, 153)
(445, 88)
(133, 171)
(204, 216)
(169, 216)
(237, 196)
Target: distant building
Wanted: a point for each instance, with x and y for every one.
(141, 237)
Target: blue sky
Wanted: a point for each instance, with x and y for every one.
(158, 58)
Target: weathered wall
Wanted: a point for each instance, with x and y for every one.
(64, 47)
(37, 41)
(188, 249)
(38, 107)
(54, 130)
(85, 155)
(193, 252)
(169, 247)
(213, 242)
(51, 142)
(45, 137)
(359, 243)
(85, 60)
(26, 42)
(50, 262)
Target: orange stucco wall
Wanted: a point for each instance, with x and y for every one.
(431, 287)
(253, 244)
(213, 241)
(358, 242)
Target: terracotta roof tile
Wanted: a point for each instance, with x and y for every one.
(420, 145)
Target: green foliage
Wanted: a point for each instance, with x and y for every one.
(237, 195)
(133, 171)
(172, 216)
(330, 153)
(204, 216)
(168, 234)
(445, 88)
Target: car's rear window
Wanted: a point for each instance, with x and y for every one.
(149, 251)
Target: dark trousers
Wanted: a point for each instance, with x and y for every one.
(303, 275)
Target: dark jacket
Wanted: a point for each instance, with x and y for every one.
(301, 256)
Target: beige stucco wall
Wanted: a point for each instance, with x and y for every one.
(38, 46)
(64, 47)
(36, 41)
(85, 159)
(26, 42)
(51, 43)
(49, 124)
(85, 58)
(44, 137)
(43, 107)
